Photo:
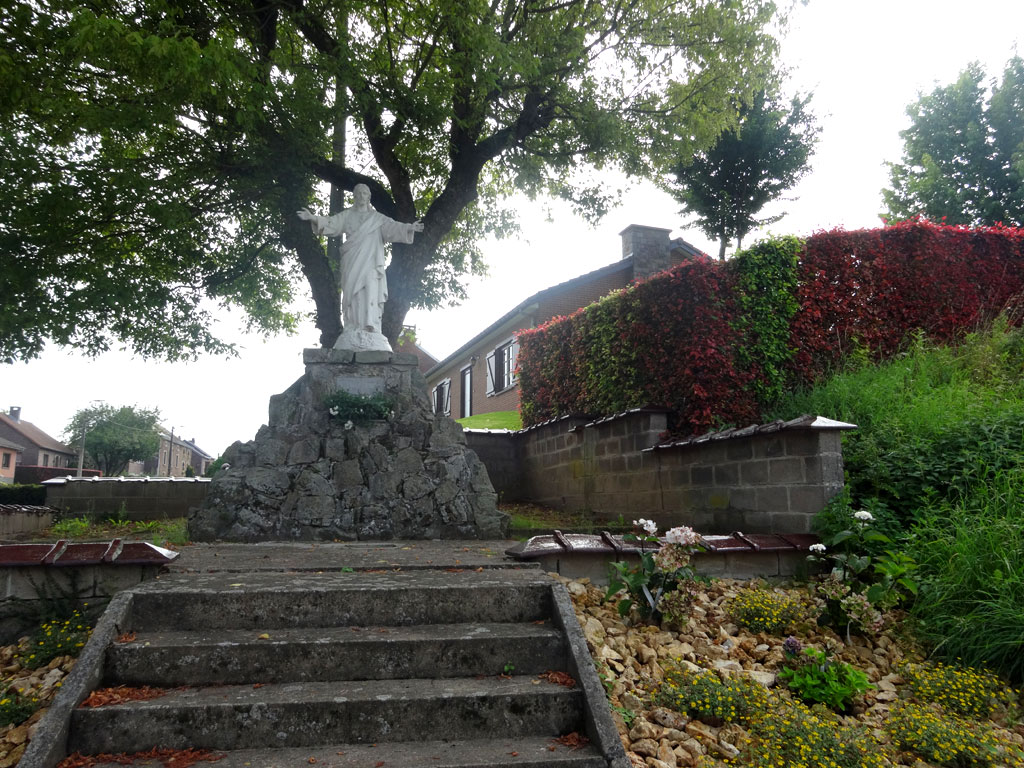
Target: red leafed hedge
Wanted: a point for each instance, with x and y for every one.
(708, 339)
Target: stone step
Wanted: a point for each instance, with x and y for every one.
(317, 713)
(512, 752)
(278, 600)
(169, 659)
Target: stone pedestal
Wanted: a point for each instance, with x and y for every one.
(310, 476)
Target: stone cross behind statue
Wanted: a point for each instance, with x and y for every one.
(364, 285)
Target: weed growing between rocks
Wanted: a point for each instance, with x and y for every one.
(54, 638)
(946, 739)
(762, 610)
(33, 671)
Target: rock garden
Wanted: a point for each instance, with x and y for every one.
(749, 673)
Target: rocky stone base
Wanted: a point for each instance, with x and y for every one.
(311, 476)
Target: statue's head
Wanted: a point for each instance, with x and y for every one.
(361, 193)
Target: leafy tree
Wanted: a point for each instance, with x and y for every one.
(963, 156)
(115, 436)
(749, 165)
(153, 153)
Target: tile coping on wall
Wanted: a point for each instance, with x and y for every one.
(806, 421)
(64, 553)
(607, 543)
(70, 479)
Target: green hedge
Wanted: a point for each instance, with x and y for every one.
(29, 495)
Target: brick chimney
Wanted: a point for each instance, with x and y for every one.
(649, 247)
(15, 413)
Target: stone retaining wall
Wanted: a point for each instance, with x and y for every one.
(127, 498)
(770, 478)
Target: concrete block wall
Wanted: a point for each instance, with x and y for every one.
(503, 460)
(760, 483)
(755, 482)
(126, 498)
(15, 521)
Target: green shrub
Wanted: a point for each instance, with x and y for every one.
(704, 696)
(793, 735)
(819, 680)
(762, 610)
(946, 739)
(359, 409)
(932, 423)
(963, 691)
(29, 495)
(970, 553)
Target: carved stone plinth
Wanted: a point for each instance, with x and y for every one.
(310, 476)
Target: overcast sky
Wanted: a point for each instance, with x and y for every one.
(864, 60)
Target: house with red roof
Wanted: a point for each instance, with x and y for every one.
(38, 448)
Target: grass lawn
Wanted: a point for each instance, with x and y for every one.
(496, 420)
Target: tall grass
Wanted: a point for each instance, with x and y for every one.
(932, 422)
(938, 457)
(971, 557)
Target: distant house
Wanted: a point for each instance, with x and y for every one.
(175, 456)
(8, 459)
(479, 377)
(40, 449)
(408, 346)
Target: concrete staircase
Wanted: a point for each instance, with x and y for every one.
(429, 668)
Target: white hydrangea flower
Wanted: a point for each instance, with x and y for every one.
(863, 516)
(817, 549)
(648, 525)
(333, 410)
(682, 534)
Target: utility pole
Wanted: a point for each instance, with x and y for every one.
(170, 452)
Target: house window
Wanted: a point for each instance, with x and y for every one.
(7, 461)
(501, 367)
(442, 397)
(46, 459)
(467, 391)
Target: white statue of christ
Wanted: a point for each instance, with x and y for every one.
(364, 286)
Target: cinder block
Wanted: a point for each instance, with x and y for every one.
(709, 564)
(770, 447)
(739, 450)
(677, 477)
(803, 443)
(754, 472)
(743, 499)
(754, 521)
(702, 476)
(787, 470)
(791, 522)
(724, 521)
(772, 498)
(812, 469)
(727, 474)
(806, 499)
(751, 565)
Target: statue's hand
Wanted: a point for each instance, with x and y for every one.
(417, 226)
(305, 215)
